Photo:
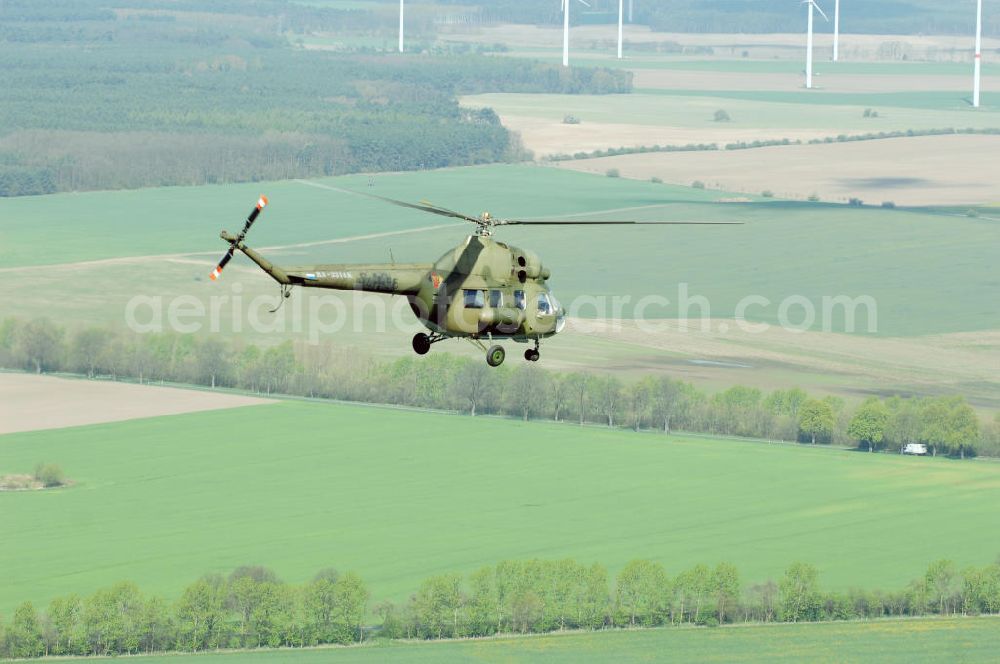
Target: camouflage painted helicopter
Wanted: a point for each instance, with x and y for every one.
(483, 289)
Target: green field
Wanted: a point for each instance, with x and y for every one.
(785, 248)
(833, 113)
(958, 639)
(398, 496)
(96, 225)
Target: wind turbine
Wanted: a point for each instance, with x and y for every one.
(979, 53)
(400, 26)
(621, 14)
(809, 40)
(565, 10)
(836, 29)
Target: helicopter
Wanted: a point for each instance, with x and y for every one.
(482, 290)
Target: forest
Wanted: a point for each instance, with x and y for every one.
(101, 99)
(946, 424)
(253, 608)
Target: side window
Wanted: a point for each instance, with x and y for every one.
(474, 299)
(496, 299)
(544, 307)
(519, 299)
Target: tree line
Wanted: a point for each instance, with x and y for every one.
(249, 608)
(252, 608)
(946, 424)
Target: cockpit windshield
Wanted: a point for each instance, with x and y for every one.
(544, 306)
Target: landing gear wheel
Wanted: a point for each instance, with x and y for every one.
(421, 343)
(495, 356)
(532, 355)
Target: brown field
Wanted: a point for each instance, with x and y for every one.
(29, 402)
(546, 137)
(926, 170)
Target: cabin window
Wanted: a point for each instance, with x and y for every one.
(544, 306)
(519, 299)
(474, 299)
(496, 299)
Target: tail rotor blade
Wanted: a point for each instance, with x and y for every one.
(252, 217)
(217, 272)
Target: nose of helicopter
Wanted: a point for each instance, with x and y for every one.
(560, 319)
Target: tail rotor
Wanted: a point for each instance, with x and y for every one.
(261, 204)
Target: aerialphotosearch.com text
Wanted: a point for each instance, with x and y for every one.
(316, 315)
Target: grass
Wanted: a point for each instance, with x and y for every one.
(929, 273)
(399, 495)
(904, 641)
(784, 249)
(98, 225)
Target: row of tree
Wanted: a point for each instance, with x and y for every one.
(443, 381)
(543, 596)
(252, 608)
(947, 424)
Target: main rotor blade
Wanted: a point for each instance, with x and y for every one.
(424, 206)
(433, 209)
(539, 222)
(437, 209)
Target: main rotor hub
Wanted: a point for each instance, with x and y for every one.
(485, 224)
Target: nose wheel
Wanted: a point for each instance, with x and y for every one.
(532, 354)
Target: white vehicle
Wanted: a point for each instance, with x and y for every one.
(917, 449)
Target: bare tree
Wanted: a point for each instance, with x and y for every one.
(611, 394)
(578, 387)
(473, 384)
(87, 349)
(212, 361)
(38, 343)
(526, 392)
